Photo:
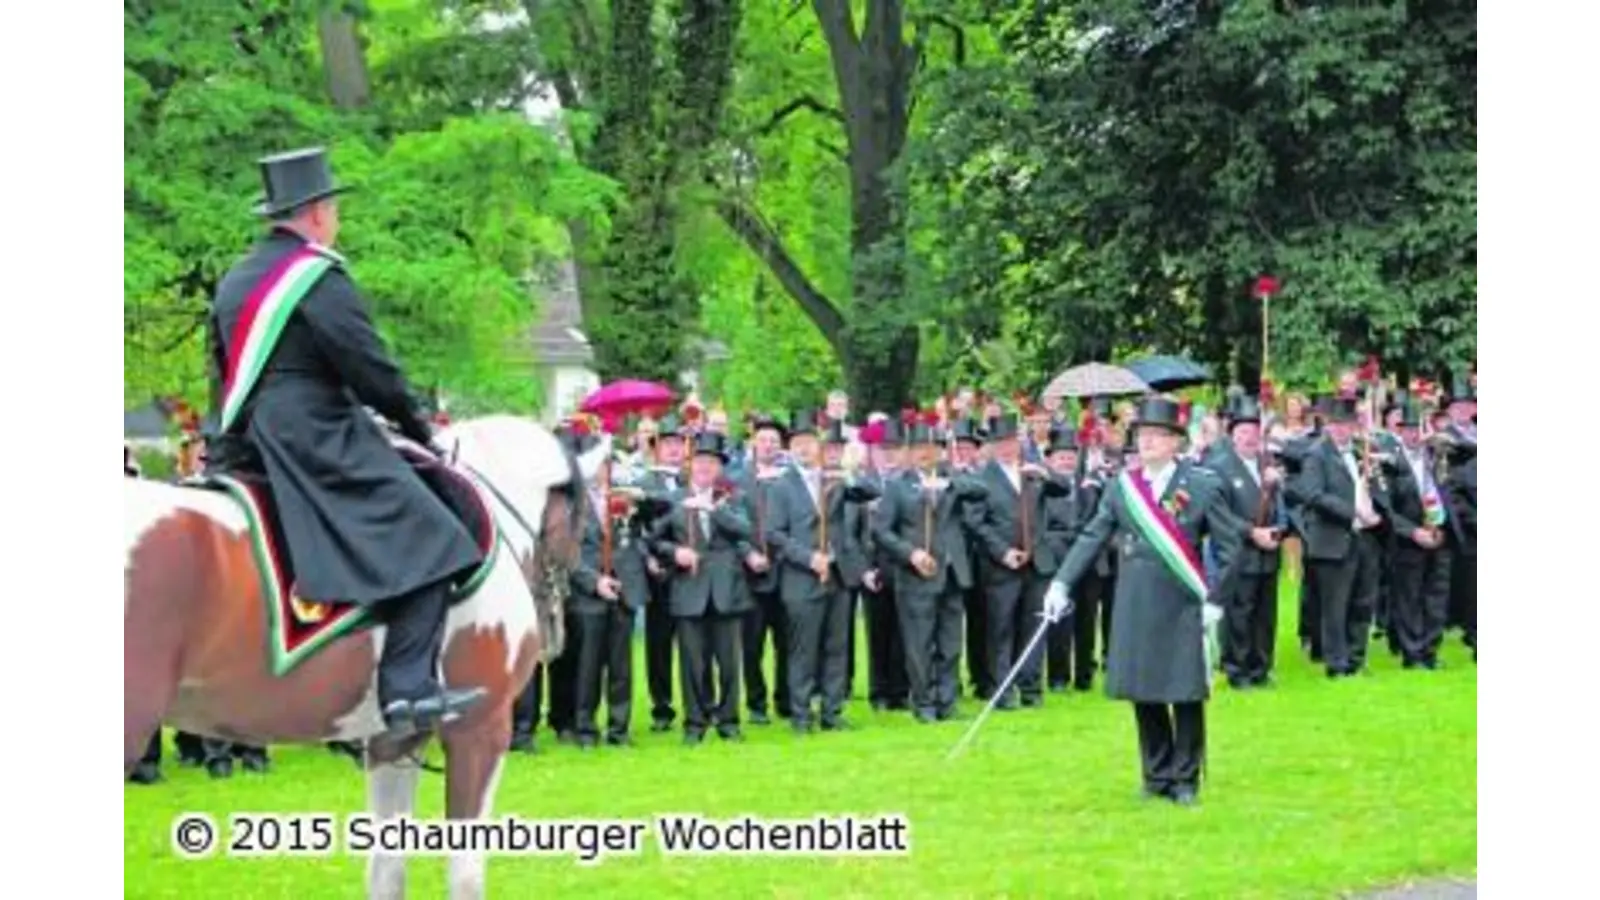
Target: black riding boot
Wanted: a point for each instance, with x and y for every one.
(408, 691)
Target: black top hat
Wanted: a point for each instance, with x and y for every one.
(965, 429)
(1461, 389)
(1243, 408)
(1339, 409)
(1160, 412)
(293, 179)
(1062, 438)
(803, 422)
(762, 421)
(1410, 413)
(711, 443)
(1003, 426)
(834, 433)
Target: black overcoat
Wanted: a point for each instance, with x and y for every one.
(361, 527)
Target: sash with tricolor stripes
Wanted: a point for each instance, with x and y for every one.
(266, 310)
(1161, 532)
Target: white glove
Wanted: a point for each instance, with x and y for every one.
(1056, 603)
(1210, 614)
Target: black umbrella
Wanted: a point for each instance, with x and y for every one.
(1168, 373)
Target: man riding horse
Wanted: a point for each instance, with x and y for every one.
(297, 359)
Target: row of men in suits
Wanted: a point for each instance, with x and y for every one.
(785, 548)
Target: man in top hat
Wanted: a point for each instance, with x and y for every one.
(923, 522)
(1420, 556)
(1009, 537)
(1158, 514)
(813, 543)
(963, 438)
(1462, 435)
(664, 475)
(1342, 540)
(1065, 516)
(887, 686)
(706, 540)
(298, 358)
(1253, 488)
(755, 486)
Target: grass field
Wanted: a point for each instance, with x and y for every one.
(1314, 788)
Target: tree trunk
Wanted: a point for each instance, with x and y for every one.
(344, 59)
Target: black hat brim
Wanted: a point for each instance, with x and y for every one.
(267, 210)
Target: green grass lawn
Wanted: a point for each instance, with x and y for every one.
(1313, 788)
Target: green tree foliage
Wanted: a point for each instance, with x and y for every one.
(456, 204)
(1123, 172)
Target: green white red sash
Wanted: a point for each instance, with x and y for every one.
(1161, 532)
(266, 311)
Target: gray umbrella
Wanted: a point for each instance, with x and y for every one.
(1169, 373)
(1095, 380)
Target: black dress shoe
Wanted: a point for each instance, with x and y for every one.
(1261, 681)
(1155, 792)
(566, 736)
(145, 773)
(660, 725)
(619, 739)
(405, 718)
(759, 717)
(523, 743)
(255, 762)
(925, 716)
(731, 734)
(1185, 797)
(800, 726)
(693, 738)
(219, 768)
(1058, 687)
(587, 742)
(836, 724)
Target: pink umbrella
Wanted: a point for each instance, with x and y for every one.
(620, 398)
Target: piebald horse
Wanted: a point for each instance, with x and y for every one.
(197, 634)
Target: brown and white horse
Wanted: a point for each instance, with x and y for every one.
(197, 650)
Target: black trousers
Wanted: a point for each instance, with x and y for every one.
(1420, 582)
(974, 602)
(819, 651)
(1310, 611)
(1024, 624)
(413, 637)
(1004, 592)
(705, 640)
(1091, 626)
(604, 669)
(1464, 595)
(931, 627)
(765, 617)
(525, 709)
(562, 681)
(659, 628)
(1346, 592)
(1172, 745)
(1250, 626)
(886, 658)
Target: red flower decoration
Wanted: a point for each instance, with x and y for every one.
(1264, 287)
(872, 433)
(908, 416)
(1268, 392)
(619, 506)
(1369, 371)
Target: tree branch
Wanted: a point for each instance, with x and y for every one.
(957, 35)
(806, 102)
(765, 244)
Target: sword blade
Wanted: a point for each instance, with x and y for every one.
(1005, 685)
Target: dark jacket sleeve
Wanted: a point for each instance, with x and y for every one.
(344, 331)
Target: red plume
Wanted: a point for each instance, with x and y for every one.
(908, 416)
(872, 433)
(930, 417)
(1264, 287)
(1369, 373)
(1086, 434)
(1184, 406)
(1269, 392)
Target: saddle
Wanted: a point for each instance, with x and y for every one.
(298, 627)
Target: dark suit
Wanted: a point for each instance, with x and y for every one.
(1419, 577)
(1156, 658)
(1250, 620)
(1095, 596)
(1308, 610)
(1065, 516)
(603, 646)
(1014, 518)
(887, 685)
(658, 624)
(1343, 561)
(708, 604)
(817, 611)
(937, 520)
(766, 609)
(1463, 493)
